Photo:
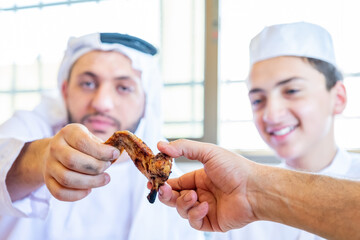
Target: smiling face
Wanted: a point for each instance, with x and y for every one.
(292, 109)
(104, 93)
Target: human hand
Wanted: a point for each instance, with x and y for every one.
(75, 161)
(213, 198)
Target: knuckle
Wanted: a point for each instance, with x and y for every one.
(65, 130)
(104, 166)
(82, 143)
(101, 181)
(58, 195)
(100, 168)
(53, 148)
(95, 170)
(64, 180)
(194, 224)
(179, 142)
(68, 161)
(53, 188)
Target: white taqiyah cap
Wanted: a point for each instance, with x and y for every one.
(299, 39)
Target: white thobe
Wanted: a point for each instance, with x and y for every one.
(119, 210)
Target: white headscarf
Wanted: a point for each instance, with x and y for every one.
(299, 39)
(149, 129)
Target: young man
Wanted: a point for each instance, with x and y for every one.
(55, 153)
(295, 90)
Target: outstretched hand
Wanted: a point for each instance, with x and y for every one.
(75, 161)
(213, 198)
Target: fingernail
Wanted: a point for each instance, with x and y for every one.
(116, 154)
(107, 179)
(160, 192)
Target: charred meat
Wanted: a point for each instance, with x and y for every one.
(156, 168)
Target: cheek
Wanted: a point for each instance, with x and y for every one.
(77, 104)
(259, 123)
(312, 115)
(131, 108)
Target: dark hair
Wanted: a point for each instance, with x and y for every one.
(331, 73)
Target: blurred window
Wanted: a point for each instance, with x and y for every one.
(35, 33)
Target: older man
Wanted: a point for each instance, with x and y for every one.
(55, 153)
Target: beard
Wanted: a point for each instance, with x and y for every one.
(117, 124)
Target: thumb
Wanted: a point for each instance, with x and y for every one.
(190, 149)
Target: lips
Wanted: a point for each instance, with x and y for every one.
(280, 134)
(99, 122)
(283, 131)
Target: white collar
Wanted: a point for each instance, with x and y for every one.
(339, 166)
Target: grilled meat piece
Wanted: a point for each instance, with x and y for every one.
(156, 168)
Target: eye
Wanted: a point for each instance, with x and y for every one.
(256, 102)
(291, 91)
(88, 84)
(125, 89)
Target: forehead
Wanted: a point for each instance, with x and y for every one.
(98, 57)
(106, 65)
(269, 72)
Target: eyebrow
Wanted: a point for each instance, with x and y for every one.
(93, 75)
(283, 82)
(124, 78)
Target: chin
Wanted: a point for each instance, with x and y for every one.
(287, 154)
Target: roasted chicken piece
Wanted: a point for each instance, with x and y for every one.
(156, 168)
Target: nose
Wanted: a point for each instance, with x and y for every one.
(274, 111)
(103, 100)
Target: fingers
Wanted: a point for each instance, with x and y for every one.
(185, 202)
(197, 217)
(79, 162)
(186, 181)
(187, 205)
(182, 200)
(75, 163)
(80, 138)
(76, 180)
(65, 194)
(190, 208)
(168, 196)
(190, 149)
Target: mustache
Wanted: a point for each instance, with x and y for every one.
(114, 120)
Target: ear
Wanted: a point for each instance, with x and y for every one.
(64, 89)
(340, 98)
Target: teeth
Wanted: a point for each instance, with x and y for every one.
(283, 131)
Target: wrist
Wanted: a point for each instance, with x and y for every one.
(262, 192)
(25, 174)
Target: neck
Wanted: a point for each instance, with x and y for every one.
(317, 158)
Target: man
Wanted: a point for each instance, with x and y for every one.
(55, 153)
(295, 90)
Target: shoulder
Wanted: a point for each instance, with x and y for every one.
(31, 125)
(354, 169)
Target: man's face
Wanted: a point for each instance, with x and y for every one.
(292, 109)
(104, 93)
